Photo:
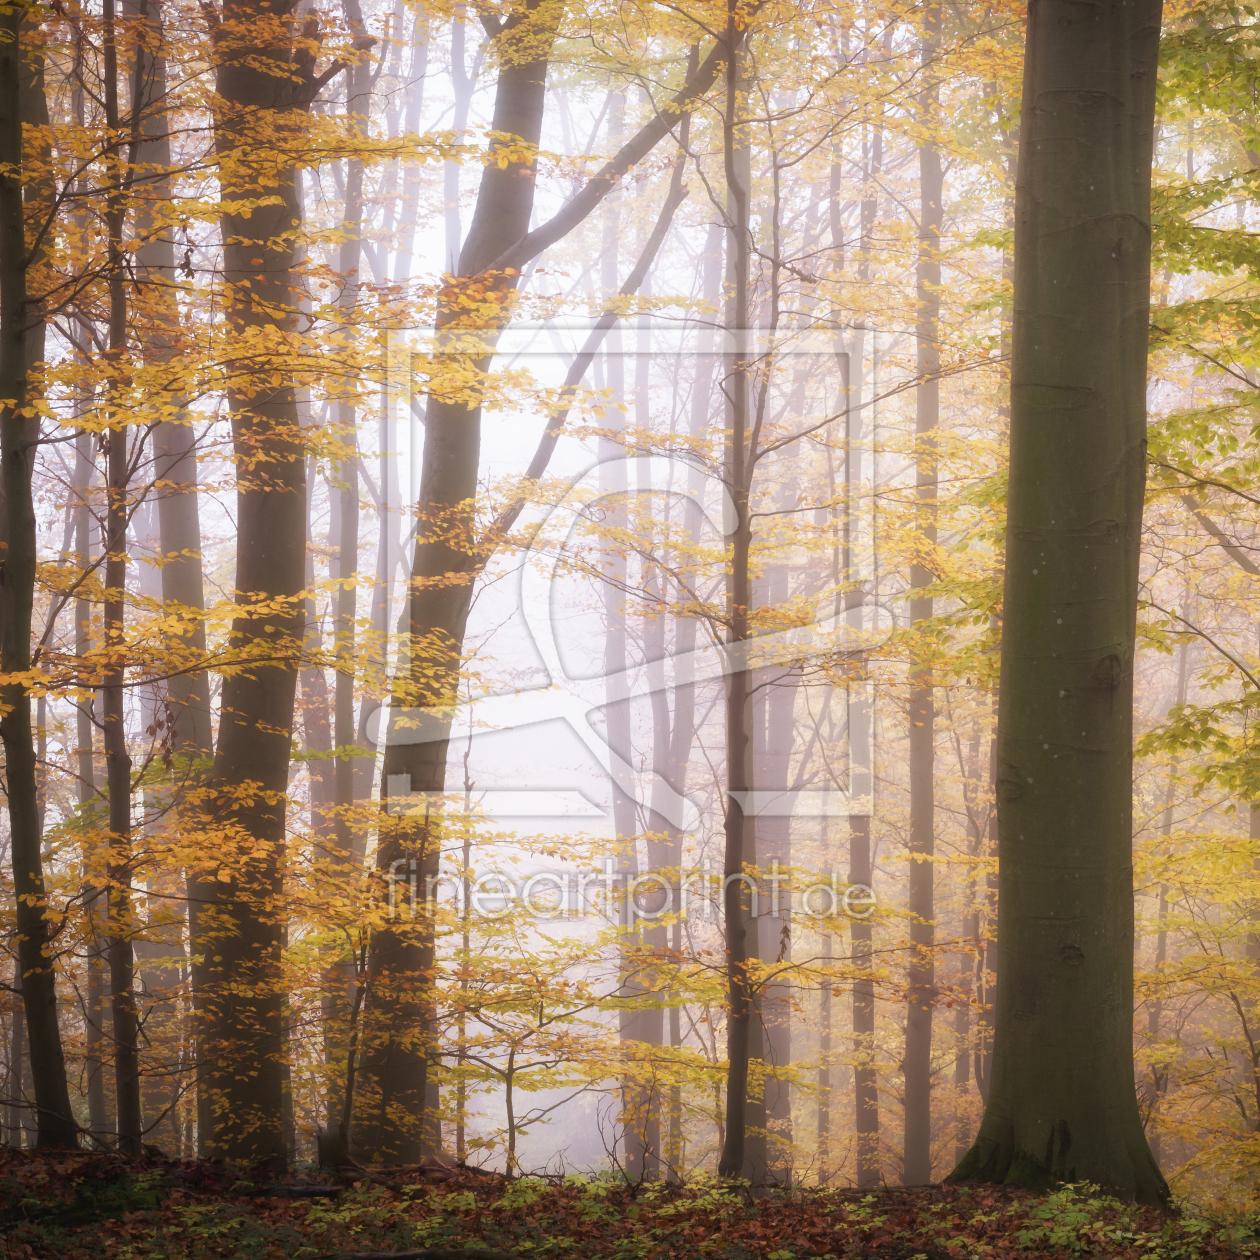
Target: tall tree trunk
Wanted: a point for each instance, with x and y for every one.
(683, 731)
(773, 733)
(463, 81)
(348, 835)
(411, 122)
(1159, 1075)
(1062, 1105)
(635, 1102)
(389, 1116)
(186, 696)
(986, 961)
(126, 1022)
(85, 731)
(350, 264)
(447, 558)
(260, 83)
(15, 1102)
(21, 348)
(976, 810)
(859, 710)
(745, 1114)
(921, 980)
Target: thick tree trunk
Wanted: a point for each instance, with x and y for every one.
(1062, 1105)
(240, 925)
(22, 346)
(921, 980)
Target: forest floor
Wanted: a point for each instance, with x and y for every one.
(80, 1206)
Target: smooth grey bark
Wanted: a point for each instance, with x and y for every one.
(316, 703)
(921, 974)
(773, 734)
(1062, 1104)
(259, 76)
(21, 348)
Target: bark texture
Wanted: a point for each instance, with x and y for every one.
(1062, 1105)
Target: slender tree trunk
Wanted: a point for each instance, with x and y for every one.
(859, 710)
(1159, 1075)
(389, 1114)
(970, 769)
(448, 557)
(614, 562)
(348, 842)
(986, 961)
(15, 1102)
(921, 980)
(463, 81)
(683, 731)
(85, 759)
(186, 695)
(410, 209)
(1062, 1105)
(739, 1157)
(350, 263)
(773, 738)
(125, 1018)
(21, 347)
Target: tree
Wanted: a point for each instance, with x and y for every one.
(265, 84)
(917, 1163)
(21, 349)
(448, 556)
(1061, 1104)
